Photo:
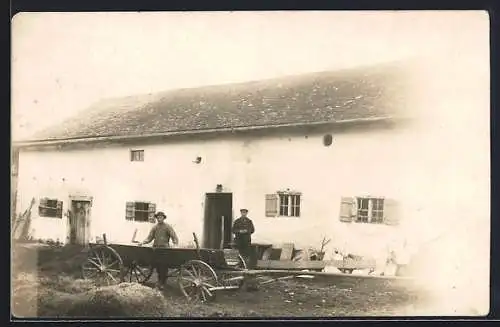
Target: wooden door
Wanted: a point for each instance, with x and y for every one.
(218, 220)
(79, 222)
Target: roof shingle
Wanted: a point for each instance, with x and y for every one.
(367, 92)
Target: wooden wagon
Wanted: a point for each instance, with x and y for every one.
(200, 272)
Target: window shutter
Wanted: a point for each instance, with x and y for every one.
(130, 210)
(59, 209)
(391, 212)
(271, 205)
(347, 208)
(152, 210)
(42, 207)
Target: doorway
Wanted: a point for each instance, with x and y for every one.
(79, 222)
(218, 220)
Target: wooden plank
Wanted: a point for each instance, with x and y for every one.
(352, 264)
(23, 223)
(20, 227)
(282, 272)
(342, 264)
(280, 264)
(286, 251)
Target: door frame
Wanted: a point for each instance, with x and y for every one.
(83, 198)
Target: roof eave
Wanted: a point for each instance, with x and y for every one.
(55, 142)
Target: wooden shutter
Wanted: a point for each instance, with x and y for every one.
(347, 209)
(130, 211)
(152, 210)
(42, 207)
(271, 205)
(59, 209)
(391, 212)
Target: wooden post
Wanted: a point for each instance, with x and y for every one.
(222, 235)
(197, 245)
(133, 237)
(104, 239)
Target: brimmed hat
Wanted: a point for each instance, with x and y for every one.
(160, 214)
(243, 210)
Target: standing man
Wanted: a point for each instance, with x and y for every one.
(161, 233)
(243, 229)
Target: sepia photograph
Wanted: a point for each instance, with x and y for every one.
(250, 164)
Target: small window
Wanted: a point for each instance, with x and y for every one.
(373, 210)
(283, 204)
(327, 140)
(50, 208)
(140, 211)
(136, 155)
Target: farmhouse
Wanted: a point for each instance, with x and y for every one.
(311, 156)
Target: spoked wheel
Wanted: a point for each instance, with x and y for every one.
(103, 265)
(196, 281)
(135, 273)
(242, 265)
(234, 260)
(228, 279)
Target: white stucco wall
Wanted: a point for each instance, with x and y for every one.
(376, 162)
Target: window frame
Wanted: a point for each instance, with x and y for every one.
(288, 204)
(140, 153)
(131, 211)
(371, 201)
(43, 206)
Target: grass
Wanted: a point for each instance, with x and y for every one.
(46, 282)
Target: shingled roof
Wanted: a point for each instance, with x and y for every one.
(367, 92)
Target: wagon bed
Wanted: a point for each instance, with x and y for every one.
(199, 271)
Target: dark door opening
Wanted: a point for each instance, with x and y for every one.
(218, 220)
(79, 222)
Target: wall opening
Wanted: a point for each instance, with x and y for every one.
(327, 140)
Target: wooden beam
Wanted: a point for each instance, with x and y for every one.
(281, 264)
(134, 236)
(222, 288)
(341, 264)
(298, 273)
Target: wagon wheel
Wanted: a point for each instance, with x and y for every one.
(136, 273)
(242, 265)
(228, 279)
(196, 279)
(103, 265)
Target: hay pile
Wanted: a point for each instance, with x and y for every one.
(123, 300)
(62, 296)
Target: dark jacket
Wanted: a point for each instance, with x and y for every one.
(243, 229)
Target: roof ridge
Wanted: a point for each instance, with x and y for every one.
(283, 78)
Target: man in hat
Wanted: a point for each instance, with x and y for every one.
(243, 229)
(161, 233)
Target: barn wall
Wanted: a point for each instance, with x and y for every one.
(373, 162)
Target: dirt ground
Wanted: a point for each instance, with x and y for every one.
(46, 278)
